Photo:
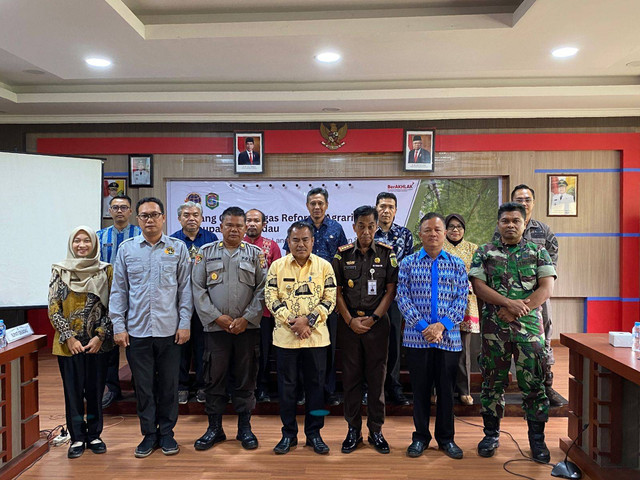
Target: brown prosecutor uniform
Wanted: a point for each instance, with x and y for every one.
(364, 279)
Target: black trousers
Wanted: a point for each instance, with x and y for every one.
(224, 353)
(463, 379)
(330, 381)
(429, 366)
(113, 370)
(155, 364)
(83, 376)
(364, 357)
(313, 362)
(392, 383)
(266, 347)
(193, 349)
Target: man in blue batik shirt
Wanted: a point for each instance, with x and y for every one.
(328, 235)
(401, 239)
(190, 217)
(110, 239)
(432, 295)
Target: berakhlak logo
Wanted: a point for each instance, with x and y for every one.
(401, 186)
(212, 200)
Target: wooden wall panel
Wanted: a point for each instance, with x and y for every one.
(598, 197)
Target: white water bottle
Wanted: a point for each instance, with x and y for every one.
(3, 334)
(636, 340)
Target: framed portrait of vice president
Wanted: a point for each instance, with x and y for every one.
(419, 152)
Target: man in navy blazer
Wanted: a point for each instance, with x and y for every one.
(248, 156)
(418, 154)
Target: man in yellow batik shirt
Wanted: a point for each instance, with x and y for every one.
(301, 293)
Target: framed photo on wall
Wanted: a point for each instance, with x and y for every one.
(112, 187)
(419, 151)
(248, 148)
(562, 195)
(141, 170)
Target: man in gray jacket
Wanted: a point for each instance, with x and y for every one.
(228, 281)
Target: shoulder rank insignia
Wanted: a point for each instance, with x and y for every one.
(197, 259)
(242, 245)
(169, 251)
(346, 247)
(382, 244)
(221, 244)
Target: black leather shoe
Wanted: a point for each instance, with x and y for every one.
(452, 450)
(75, 452)
(365, 399)
(318, 445)
(416, 448)
(146, 447)
(169, 445)
(555, 399)
(285, 444)
(97, 447)
(108, 398)
(263, 397)
(400, 399)
(333, 400)
(351, 442)
(212, 436)
(248, 439)
(300, 399)
(379, 443)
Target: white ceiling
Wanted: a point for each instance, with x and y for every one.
(252, 60)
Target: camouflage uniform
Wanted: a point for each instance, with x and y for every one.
(541, 234)
(513, 271)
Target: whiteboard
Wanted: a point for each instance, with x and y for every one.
(42, 198)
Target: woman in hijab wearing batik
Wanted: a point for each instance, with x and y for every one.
(78, 309)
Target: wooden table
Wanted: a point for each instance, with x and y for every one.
(20, 442)
(604, 392)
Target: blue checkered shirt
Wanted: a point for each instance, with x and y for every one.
(110, 239)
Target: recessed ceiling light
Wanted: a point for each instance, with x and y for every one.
(98, 62)
(330, 109)
(635, 63)
(328, 57)
(564, 52)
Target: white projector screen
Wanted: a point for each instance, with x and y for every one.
(42, 199)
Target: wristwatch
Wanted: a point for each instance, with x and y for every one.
(375, 318)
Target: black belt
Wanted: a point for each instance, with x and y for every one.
(360, 313)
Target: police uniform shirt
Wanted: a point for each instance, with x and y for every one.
(229, 283)
(355, 271)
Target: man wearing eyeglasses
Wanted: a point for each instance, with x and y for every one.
(150, 307)
(110, 239)
(540, 234)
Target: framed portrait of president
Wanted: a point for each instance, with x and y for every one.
(419, 150)
(248, 149)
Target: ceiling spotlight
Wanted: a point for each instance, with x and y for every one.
(564, 52)
(98, 62)
(328, 57)
(635, 63)
(330, 109)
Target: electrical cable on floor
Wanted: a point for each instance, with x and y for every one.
(508, 462)
(114, 424)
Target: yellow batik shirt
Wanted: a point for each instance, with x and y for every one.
(295, 291)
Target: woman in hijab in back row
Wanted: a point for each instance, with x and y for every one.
(464, 250)
(78, 309)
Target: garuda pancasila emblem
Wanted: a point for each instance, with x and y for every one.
(333, 135)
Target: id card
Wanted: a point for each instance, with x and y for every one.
(372, 287)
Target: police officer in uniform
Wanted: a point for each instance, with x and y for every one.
(366, 275)
(228, 294)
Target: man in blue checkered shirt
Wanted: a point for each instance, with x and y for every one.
(432, 296)
(110, 239)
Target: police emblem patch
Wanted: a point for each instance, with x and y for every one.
(197, 259)
(394, 260)
(169, 251)
(212, 200)
(193, 197)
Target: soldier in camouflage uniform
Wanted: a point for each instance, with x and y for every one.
(513, 277)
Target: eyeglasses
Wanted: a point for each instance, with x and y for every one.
(119, 208)
(523, 200)
(146, 216)
(451, 228)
